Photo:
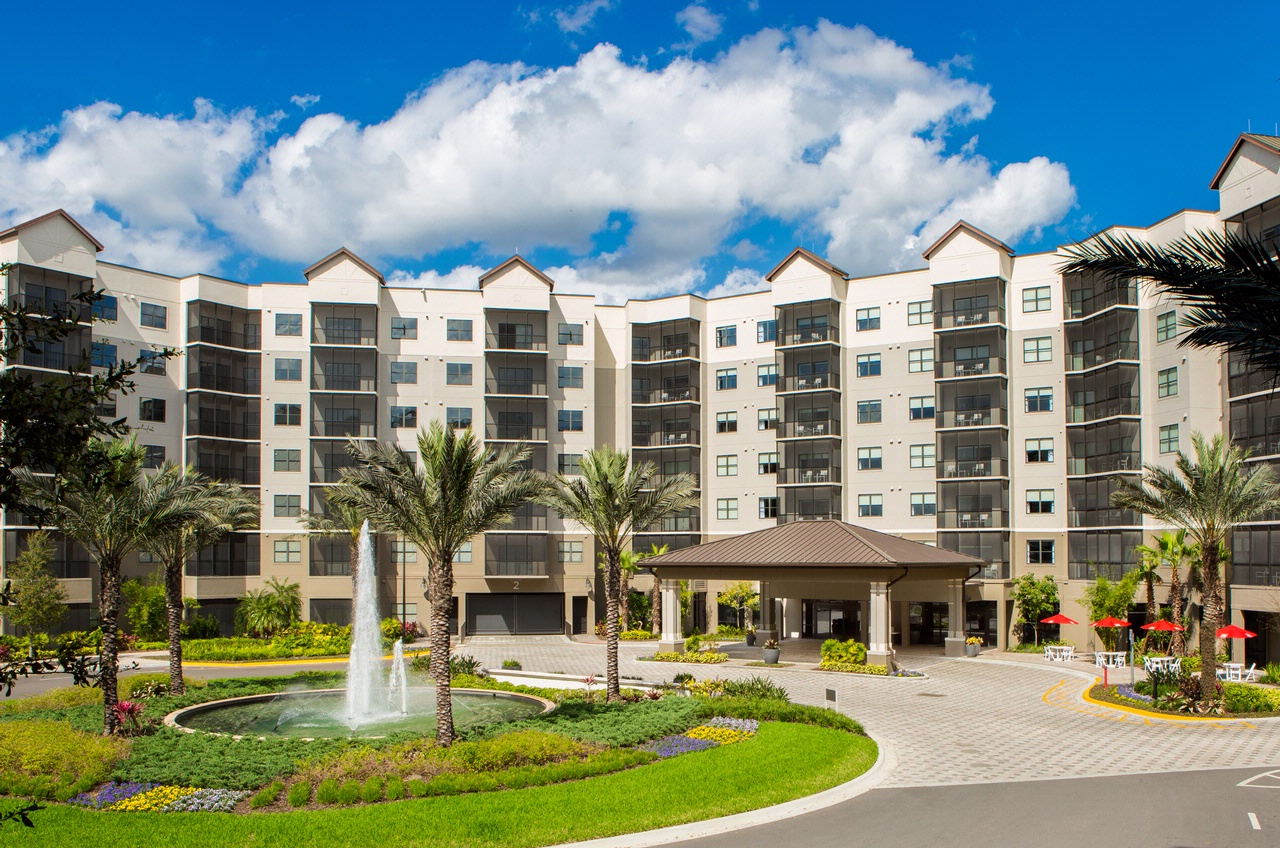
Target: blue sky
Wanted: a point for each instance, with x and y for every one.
(629, 148)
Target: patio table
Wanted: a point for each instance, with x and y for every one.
(1109, 659)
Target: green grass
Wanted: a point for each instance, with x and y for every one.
(799, 760)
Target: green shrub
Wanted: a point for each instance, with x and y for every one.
(82, 641)
(755, 687)
(327, 792)
(266, 796)
(853, 668)
(200, 626)
(520, 747)
(300, 794)
(636, 636)
(770, 709)
(1272, 674)
(615, 724)
(205, 760)
(850, 652)
(41, 756)
(417, 787)
(1190, 664)
(395, 788)
(371, 791)
(349, 792)
(512, 664)
(1243, 698)
(145, 609)
(463, 664)
(693, 644)
(54, 699)
(703, 657)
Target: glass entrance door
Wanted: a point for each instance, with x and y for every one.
(831, 619)
(929, 623)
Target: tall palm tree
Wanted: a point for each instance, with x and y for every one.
(227, 508)
(112, 510)
(1209, 496)
(627, 567)
(458, 490)
(613, 499)
(1172, 549)
(339, 520)
(656, 604)
(1149, 562)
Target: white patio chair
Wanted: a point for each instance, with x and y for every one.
(1222, 673)
(1067, 653)
(1048, 653)
(1250, 674)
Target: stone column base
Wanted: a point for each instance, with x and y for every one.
(763, 636)
(955, 646)
(676, 647)
(884, 658)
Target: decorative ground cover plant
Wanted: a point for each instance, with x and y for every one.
(1179, 695)
(849, 656)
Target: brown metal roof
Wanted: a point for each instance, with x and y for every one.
(1266, 142)
(54, 214)
(814, 544)
(973, 231)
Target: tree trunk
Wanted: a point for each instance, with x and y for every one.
(624, 601)
(109, 661)
(656, 606)
(1151, 610)
(173, 610)
(1210, 621)
(611, 580)
(1178, 640)
(440, 594)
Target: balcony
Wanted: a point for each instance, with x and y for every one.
(809, 383)
(971, 519)
(666, 438)
(663, 353)
(793, 337)
(223, 383)
(970, 367)
(529, 517)
(1115, 352)
(958, 469)
(223, 429)
(1083, 300)
(808, 476)
(789, 517)
(972, 317)
(332, 382)
(523, 342)
(1255, 575)
(971, 418)
(1102, 517)
(521, 388)
(248, 474)
(515, 568)
(224, 337)
(684, 394)
(515, 432)
(808, 429)
(1109, 463)
(343, 429)
(1080, 414)
(676, 524)
(50, 307)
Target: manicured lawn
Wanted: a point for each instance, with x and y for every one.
(785, 761)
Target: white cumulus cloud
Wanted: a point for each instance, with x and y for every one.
(700, 23)
(304, 101)
(577, 18)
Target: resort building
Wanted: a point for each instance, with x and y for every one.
(983, 403)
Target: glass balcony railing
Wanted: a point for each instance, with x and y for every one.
(683, 394)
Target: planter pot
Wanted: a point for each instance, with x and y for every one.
(972, 650)
(771, 655)
(751, 640)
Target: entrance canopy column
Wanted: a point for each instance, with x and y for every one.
(879, 649)
(672, 639)
(955, 618)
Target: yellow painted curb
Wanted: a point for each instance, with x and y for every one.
(254, 663)
(1148, 713)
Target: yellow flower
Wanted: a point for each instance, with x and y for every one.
(723, 735)
(152, 800)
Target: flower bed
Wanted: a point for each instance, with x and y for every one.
(853, 668)
(716, 732)
(703, 657)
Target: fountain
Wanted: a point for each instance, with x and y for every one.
(364, 664)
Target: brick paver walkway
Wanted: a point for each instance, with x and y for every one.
(996, 718)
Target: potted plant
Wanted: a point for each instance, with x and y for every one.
(751, 637)
(771, 652)
(972, 646)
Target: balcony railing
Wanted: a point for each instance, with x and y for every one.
(684, 394)
(808, 429)
(524, 388)
(528, 518)
(226, 338)
(1075, 307)
(247, 474)
(808, 476)
(344, 336)
(224, 383)
(995, 571)
(515, 568)
(223, 429)
(994, 467)
(811, 382)
(343, 429)
(1102, 409)
(328, 473)
(686, 350)
(1105, 463)
(1093, 570)
(1255, 575)
(678, 524)
(322, 382)
(947, 319)
(515, 341)
(666, 438)
(1102, 517)
(53, 359)
(789, 517)
(1102, 355)
(970, 367)
(971, 418)
(810, 335)
(659, 479)
(951, 519)
(51, 307)
(516, 432)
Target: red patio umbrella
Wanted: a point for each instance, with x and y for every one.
(1108, 622)
(1164, 625)
(1231, 631)
(1058, 618)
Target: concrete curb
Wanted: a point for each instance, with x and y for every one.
(886, 762)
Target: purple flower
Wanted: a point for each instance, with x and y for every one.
(112, 793)
(207, 801)
(1125, 691)
(671, 746)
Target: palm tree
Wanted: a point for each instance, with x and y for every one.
(1210, 496)
(1149, 561)
(627, 566)
(339, 520)
(112, 510)
(457, 490)
(267, 611)
(1229, 281)
(613, 498)
(228, 508)
(655, 605)
(1172, 550)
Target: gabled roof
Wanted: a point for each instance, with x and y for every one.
(516, 260)
(342, 251)
(828, 543)
(973, 231)
(1266, 142)
(812, 257)
(13, 231)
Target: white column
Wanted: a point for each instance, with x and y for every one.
(955, 618)
(878, 620)
(672, 638)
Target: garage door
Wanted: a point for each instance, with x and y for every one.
(515, 614)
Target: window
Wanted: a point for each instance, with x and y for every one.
(920, 312)
(404, 416)
(1166, 326)
(288, 415)
(152, 362)
(726, 336)
(1040, 502)
(569, 420)
(919, 361)
(571, 552)
(1040, 552)
(767, 463)
(767, 419)
(1036, 299)
(767, 375)
(726, 422)
(868, 365)
(288, 324)
(457, 329)
(726, 378)
(870, 459)
(569, 376)
(106, 308)
(924, 503)
(287, 459)
(767, 331)
(457, 417)
(868, 319)
(402, 328)
(1169, 438)
(868, 412)
(155, 316)
(870, 506)
(570, 334)
(107, 408)
(404, 372)
(464, 553)
(727, 465)
(569, 464)
(103, 355)
(1039, 349)
(768, 507)
(1038, 399)
(1039, 450)
(289, 370)
(403, 551)
(727, 509)
(288, 506)
(457, 373)
(288, 550)
(922, 456)
(921, 408)
(1167, 382)
(151, 409)
(153, 456)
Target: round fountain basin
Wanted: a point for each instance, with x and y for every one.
(320, 714)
